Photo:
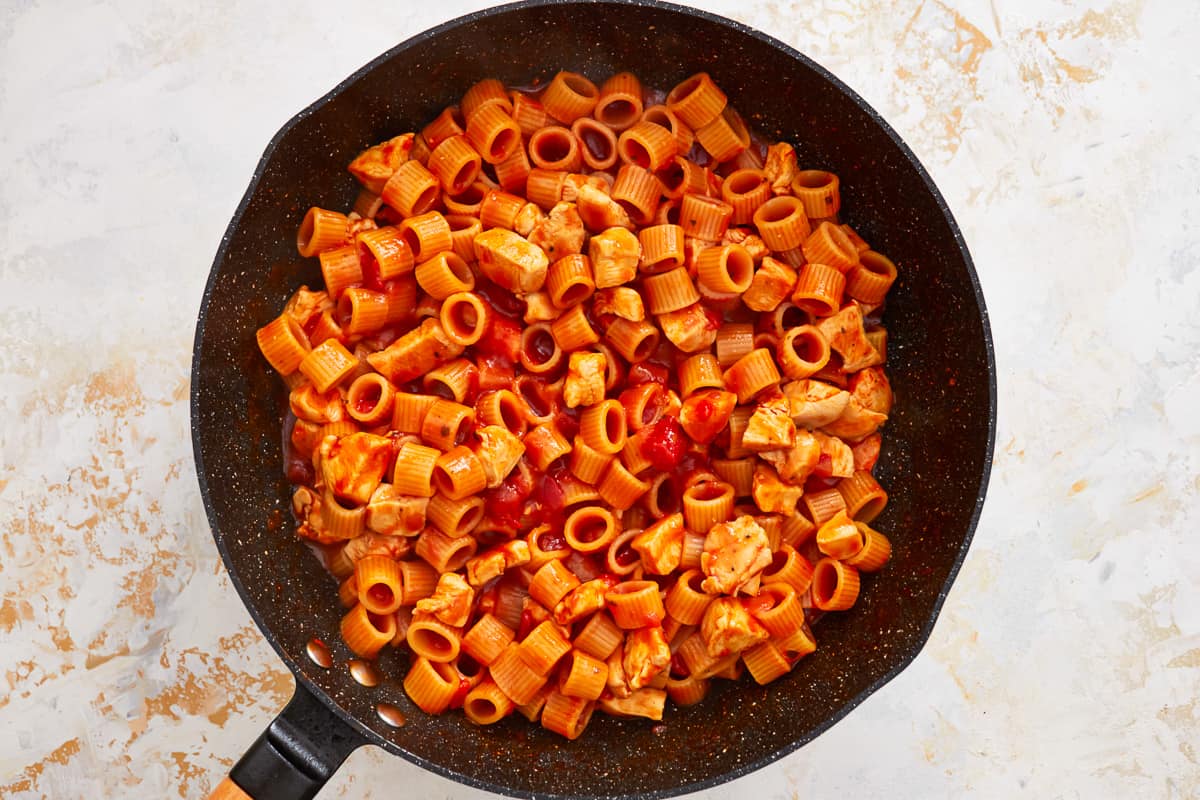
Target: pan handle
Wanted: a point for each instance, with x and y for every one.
(297, 753)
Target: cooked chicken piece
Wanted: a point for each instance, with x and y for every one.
(561, 233)
(661, 545)
(358, 225)
(838, 537)
(599, 211)
(753, 243)
(814, 403)
(576, 181)
(376, 544)
(416, 352)
(311, 406)
(616, 684)
(734, 552)
(845, 334)
(770, 426)
(692, 248)
(773, 283)
(376, 164)
(539, 308)
(493, 563)
(872, 390)
(856, 422)
(780, 168)
(648, 703)
(499, 450)
(690, 329)
(620, 301)
(646, 654)
(795, 464)
(352, 466)
(511, 261)
(584, 600)
(528, 218)
(706, 413)
(614, 254)
(304, 305)
(728, 628)
(840, 455)
(450, 601)
(391, 513)
(306, 504)
(772, 495)
(584, 385)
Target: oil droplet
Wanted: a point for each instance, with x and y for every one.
(365, 672)
(390, 715)
(319, 653)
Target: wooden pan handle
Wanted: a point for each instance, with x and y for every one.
(228, 790)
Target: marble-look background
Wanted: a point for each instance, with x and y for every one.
(1063, 134)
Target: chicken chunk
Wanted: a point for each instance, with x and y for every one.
(646, 654)
(576, 181)
(584, 385)
(729, 628)
(734, 552)
(561, 233)
(304, 305)
(780, 168)
(415, 353)
(499, 450)
(599, 211)
(616, 684)
(706, 413)
(795, 464)
(856, 422)
(614, 254)
(872, 389)
(773, 283)
(493, 563)
(647, 703)
(690, 329)
(376, 164)
(352, 466)
(661, 545)
(841, 457)
(391, 513)
(539, 308)
(753, 243)
(839, 537)
(450, 601)
(620, 301)
(528, 217)
(312, 406)
(510, 261)
(845, 333)
(306, 504)
(376, 544)
(813, 403)
(770, 426)
(772, 495)
(584, 600)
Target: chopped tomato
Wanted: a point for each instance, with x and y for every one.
(666, 444)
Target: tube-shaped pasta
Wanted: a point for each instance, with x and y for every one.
(729, 268)
(635, 604)
(701, 371)
(341, 268)
(459, 473)
(431, 685)
(584, 675)
(669, 291)
(600, 637)
(819, 289)
(766, 662)
(620, 488)
(620, 102)
(466, 204)
(835, 585)
(420, 151)
(445, 274)
(647, 145)
(377, 579)
(681, 176)
(540, 352)
(737, 472)
(686, 601)
(869, 281)
(413, 472)
(726, 137)
(797, 529)
(455, 163)
(551, 583)
(781, 223)
(570, 96)
(409, 411)
(369, 399)
(544, 646)
(693, 652)
(876, 550)
(603, 427)
(661, 115)
(662, 248)
(634, 341)
(823, 505)
(514, 677)
(444, 553)
(745, 190)
(696, 100)
(283, 343)
(788, 566)
(500, 209)
(569, 281)
(321, 230)
(693, 549)
(803, 351)
(597, 143)
(545, 187)
(486, 703)
(545, 444)
(555, 148)
(427, 235)
(587, 463)
(465, 317)
(528, 113)
(785, 614)
(661, 498)
(513, 172)
(486, 92)
(493, 134)
(638, 191)
(864, 497)
(830, 245)
(632, 455)
(572, 331)
(412, 189)
(567, 716)
(454, 517)
(486, 639)
(590, 529)
(704, 217)
(328, 364)
(687, 691)
(445, 125)
(706, 504)
(430, 638)
(445, 422)
(392, 254)
(366, 633)
(418, 579)
(348, 589)
(504, 408)
(818, 191)
(751, 374)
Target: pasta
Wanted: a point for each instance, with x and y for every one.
(586, 412)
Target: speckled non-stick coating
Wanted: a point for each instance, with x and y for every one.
(937, 448)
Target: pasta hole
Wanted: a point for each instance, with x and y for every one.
(636, 153)
(740, 267)
(575, 293)
(793, 317)
(618, 112)
(814, 179)
(665, 497)
(672, 176)
(472, 517)
(808, 347)
(425, 200)
(695, 578)
(553, 146)
(463, 177)
(777, 209)
(614, 425)
(599, 146)
(467, 666)
(503, 143)
(437, 386)
(744, 181)
(305, 234)
(580, 85)
(825, 581)
(413, 241)
(381, 595)
(684, 89)
(381, 622)
(483, 708)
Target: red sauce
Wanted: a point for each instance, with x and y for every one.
(703, 409)
(679, 669)
(527, 624)
(567, 422)
(541, 346)
(626, 556)
(506, 503)
(460, 694)
(666, 444)
(645, 372)
(547, 503)
(758, 604)
(824, 467)
(550, 542)
(370, 271)
(501, 301)
(381, 594)
(502, 339)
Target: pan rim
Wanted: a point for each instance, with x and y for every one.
(369, 735)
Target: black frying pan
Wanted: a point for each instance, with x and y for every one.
(937, 452)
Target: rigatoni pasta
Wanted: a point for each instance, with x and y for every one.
(586, 413)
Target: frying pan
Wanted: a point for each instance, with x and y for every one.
(936, 456)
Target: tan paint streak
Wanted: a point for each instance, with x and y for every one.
(1189, 659)
(30, 777)
(1147, 493)
(1078, 486)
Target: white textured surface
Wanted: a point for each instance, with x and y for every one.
(1063, 134)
